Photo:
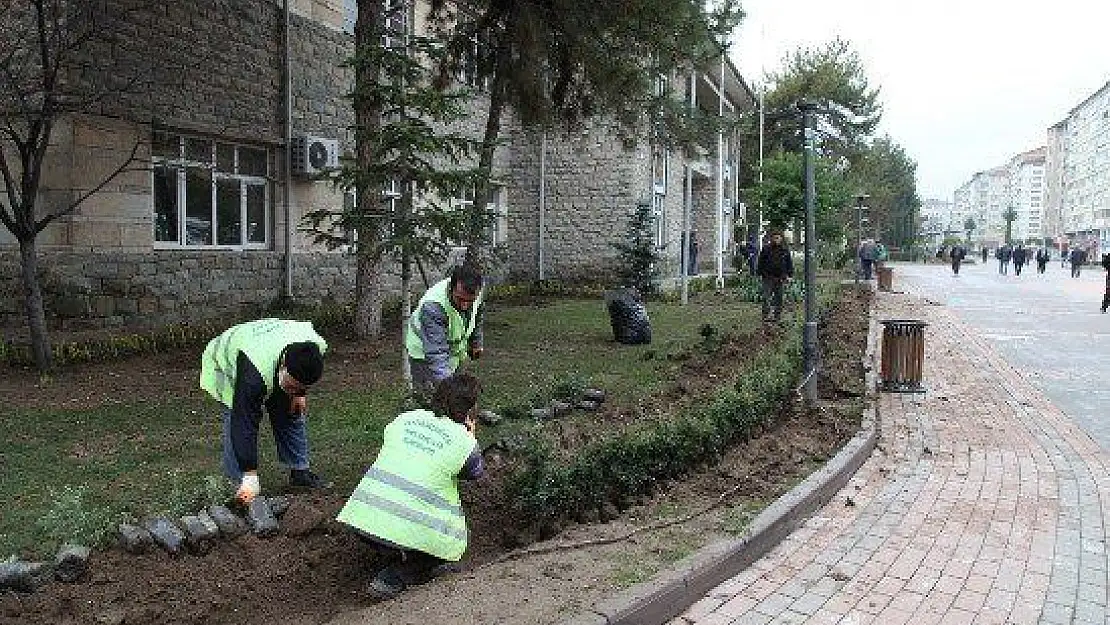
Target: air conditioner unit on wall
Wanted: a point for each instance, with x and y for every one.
(314, 155)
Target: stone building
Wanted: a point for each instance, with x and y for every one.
(245, 94)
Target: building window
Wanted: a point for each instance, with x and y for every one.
(499, 212)
(209, 193)
(660, 220)
(659, 170)
(396, 20)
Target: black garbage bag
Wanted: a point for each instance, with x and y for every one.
(628, 316)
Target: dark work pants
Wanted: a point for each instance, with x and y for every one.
(772, 297)
(409, 565)
(956, 266)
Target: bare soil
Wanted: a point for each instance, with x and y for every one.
(315, 572)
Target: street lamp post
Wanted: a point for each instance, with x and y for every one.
(860, 197)
(809, 332)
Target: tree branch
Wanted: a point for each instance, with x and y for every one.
(125, 166)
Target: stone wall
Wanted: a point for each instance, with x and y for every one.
(153, 289)
(592, 186)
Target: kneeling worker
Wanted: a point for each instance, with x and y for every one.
(408, 503)
(269, 363)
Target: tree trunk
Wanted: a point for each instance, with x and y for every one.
(368, 296)
(485, 166)
(368, 123)
(32, 299)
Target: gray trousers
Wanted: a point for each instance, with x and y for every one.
(772, 297)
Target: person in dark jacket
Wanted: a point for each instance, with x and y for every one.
(957, 254)
(1020, 256)
(1077, 257)
(1042, 260)
(983, 253)
(1003, 256)
(1106, 292)
(264, 366)
(776, 268)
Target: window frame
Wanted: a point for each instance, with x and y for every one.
(181, 164)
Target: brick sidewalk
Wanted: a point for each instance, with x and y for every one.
(982, 504)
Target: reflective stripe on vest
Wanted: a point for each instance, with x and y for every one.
(426, 495)
(409, 514)
(458, 331)
(410, 496)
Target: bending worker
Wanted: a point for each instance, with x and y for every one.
(407, 505)
(270, 363)
(445, 329)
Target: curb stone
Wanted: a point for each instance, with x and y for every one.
(671, 592)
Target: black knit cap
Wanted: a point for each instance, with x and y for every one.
(304, 362)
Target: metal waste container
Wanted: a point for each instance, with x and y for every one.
(903, 355)
(886, 278)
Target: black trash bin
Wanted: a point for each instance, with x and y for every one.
(628, 316)
(903, 355)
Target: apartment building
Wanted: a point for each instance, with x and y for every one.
(1078, 171)
(1025, 186)
(247, 103)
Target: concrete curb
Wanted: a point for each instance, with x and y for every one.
(668, 594)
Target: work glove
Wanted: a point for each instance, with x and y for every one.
(248, 488)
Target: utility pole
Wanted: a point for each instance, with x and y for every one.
(809, 335)
(860, 198)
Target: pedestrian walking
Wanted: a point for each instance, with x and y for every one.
(407, 504)
(1042, 259)
(1077, 257)
(983, 253)
(867, 257)
(751, 254)
(268, 365)
(957, 255)
(1106, 290)
(1019, 256)
(1003, 256)
(776, 268)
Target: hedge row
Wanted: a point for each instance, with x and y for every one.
(544, 491)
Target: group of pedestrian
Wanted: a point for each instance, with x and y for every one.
(407, 504)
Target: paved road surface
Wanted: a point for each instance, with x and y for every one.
(1048, 326)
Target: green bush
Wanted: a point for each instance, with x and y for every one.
(544, 491)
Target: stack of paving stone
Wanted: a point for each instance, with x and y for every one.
(195, 533)
(590, 399)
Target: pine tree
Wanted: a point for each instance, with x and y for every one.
(408, 166)
(638, 256)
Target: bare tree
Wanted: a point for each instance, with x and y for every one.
(53, 62)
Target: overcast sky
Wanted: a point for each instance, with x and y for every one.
(965, 84)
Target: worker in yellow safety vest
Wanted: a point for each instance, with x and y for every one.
(407, 505)
(445, 329)
(266, 364)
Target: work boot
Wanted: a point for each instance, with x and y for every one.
(304, 479)
(386, 585)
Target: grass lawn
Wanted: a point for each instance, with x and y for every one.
(72, 474)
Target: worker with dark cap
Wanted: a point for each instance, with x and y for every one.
(407, 505)
(269, 363)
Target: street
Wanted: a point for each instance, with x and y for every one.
(1048, 326)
